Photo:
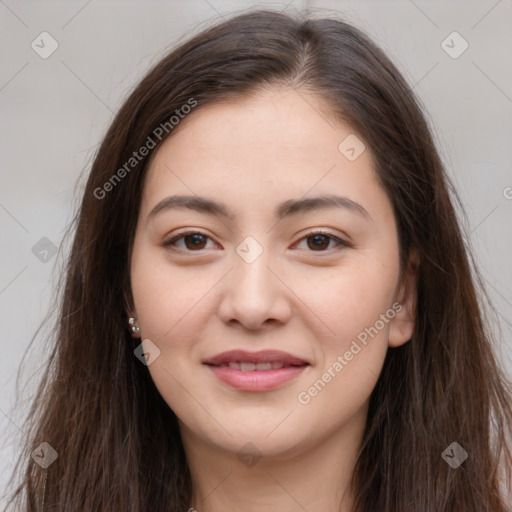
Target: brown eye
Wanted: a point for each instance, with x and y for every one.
(193, 241)
(321, 242)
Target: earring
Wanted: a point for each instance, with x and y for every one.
(135, 328)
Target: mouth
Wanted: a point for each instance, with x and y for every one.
(256, 371)
(245, 366)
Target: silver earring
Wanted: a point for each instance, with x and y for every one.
(135, 328)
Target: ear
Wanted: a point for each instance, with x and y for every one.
(402, 325)
(129, 307)
(131, 313)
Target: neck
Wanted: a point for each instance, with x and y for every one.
(315, 477)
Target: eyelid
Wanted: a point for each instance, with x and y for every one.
(177, 236)
(341, 242)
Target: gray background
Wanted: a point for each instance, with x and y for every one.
(55, 111)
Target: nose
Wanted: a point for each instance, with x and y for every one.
(254, 295)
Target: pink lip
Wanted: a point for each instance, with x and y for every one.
(256, 380)
(263, 356)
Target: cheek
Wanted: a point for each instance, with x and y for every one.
(352, 300)
(170, 304)
(357, 308)
(168, 299)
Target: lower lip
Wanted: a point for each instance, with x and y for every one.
(257, 380)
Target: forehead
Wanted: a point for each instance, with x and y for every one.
(280, 142)
(288, 120)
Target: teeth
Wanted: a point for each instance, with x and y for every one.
(250, 367)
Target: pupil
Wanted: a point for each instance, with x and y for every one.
(318, 239)
(196, 240)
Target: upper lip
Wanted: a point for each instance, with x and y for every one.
(263, 356)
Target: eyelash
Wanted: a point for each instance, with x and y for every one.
(340, 243)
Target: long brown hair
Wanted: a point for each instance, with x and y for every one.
(118, 442)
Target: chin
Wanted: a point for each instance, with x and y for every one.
(254, 438)
(261, 446)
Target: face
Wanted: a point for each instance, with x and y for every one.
(267, 312)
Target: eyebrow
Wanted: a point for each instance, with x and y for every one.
(286, 209)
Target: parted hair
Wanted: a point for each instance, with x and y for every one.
(118, 442)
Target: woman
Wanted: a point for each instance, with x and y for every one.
(269, 303)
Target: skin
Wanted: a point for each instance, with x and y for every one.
(197, 299)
